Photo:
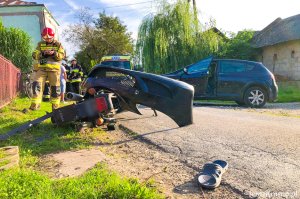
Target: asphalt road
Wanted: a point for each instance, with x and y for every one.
(263, 150)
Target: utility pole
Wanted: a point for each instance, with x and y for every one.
(194, 4)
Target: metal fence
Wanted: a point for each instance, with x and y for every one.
(10, 77)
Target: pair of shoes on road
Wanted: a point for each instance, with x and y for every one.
(211, 175)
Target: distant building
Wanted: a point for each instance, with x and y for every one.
(279, 43)
(28, 16)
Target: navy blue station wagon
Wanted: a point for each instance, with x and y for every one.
(245, 82)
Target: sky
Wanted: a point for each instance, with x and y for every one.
(230, 15)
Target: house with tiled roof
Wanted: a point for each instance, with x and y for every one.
(279, 44)
(28, 16)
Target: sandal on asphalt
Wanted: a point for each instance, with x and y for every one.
(222, 163)
(211, 175)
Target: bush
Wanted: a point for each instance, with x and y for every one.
(15, 45)
(239, 47)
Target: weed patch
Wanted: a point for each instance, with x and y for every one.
(99, 182)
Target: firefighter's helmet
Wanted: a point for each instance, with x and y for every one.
(48, 33)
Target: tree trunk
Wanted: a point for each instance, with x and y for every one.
(195, 8)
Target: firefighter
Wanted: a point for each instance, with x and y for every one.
(75, 75)
(49, 54)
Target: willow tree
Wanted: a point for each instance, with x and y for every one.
(171, 38)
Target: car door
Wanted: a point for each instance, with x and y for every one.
(231, 78)
(197, 75)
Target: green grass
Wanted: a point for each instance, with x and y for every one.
(2, 154)
(288, 92)
(4, 162)
(99, 182)
(46, 138)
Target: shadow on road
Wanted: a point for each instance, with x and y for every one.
(189, 187)
(137, 118)
(134, 136)
(197, 104)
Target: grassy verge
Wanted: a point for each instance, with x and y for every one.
(288, 92)
(220, 102)
(96, 183)
(46, 138)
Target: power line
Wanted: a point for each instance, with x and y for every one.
(125, 5)
(109, 7)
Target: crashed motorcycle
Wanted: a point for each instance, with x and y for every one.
(109, 91)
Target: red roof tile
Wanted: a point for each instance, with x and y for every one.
(15, 2)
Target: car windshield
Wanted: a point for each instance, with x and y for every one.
(118, 64)
(201, 66)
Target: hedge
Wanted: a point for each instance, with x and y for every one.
(15, 45)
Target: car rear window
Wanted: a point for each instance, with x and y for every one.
(227, 67)
(118, 64)
(122, 78)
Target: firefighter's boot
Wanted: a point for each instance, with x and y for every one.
(55, 106)
(34, 106)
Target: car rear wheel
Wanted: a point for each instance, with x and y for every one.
(255, 97)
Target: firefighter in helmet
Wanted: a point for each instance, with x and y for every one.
(75, 75)
(48, 55)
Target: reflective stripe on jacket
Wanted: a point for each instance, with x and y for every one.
(74, 73)
(52, 62)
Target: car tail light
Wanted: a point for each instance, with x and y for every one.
(99, 121)
(91, 91)
(101, 104)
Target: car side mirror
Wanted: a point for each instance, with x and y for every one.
(185, 70)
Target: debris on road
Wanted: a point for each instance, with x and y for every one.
(211, 175)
